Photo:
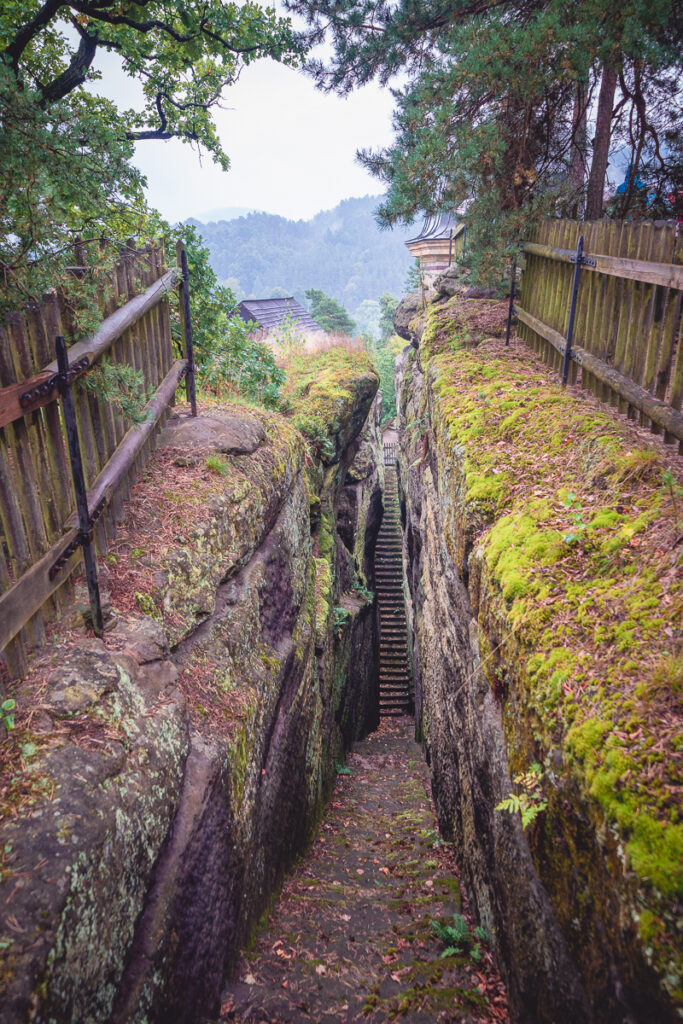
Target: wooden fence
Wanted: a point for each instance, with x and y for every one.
(627, 327)
(39, 528)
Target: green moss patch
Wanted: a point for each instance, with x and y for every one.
(329, 394)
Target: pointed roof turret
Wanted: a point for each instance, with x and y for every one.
(435, 245)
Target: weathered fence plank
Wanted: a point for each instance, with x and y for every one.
(37, 517)
(667, 274)
(628, 315)
(660, 413)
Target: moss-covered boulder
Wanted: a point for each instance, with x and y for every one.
(330, 394)
(546, 603)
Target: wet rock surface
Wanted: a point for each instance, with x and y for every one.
(351, 936)
(77, 866)
(213, 432)
(149, 829)
(408, 323)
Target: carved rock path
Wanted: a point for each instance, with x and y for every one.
(350, 938)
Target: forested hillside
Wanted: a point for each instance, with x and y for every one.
(340, 251)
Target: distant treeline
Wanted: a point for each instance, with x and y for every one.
(341, 251)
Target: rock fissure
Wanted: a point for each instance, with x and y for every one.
(354, 933)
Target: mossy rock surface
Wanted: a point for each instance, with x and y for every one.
(331, 394)
(562, 524)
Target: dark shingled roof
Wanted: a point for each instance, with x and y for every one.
(440, 225)
(270, 313)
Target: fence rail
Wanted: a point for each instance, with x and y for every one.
(41, 534)
(627, 323)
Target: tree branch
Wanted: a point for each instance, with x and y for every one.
(75, 74)
(162, 131)
(27, 32)
(97, 13)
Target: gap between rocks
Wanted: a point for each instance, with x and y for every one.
(351, 936)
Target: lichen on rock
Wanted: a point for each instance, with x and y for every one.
(184, 761)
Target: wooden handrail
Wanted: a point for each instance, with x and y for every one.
(31, 590)
(669, 275)
(111, 328)
(660, 413)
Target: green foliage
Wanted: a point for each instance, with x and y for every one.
(329, 313)
(388, 304)
(577, 524)
(7, 713)
(363, 592)
(64, 171)
(288, 335)
(498, 101)
(217, 465)
(65, 158)
(385, 363)
(435, 838)
(120, 386)
(413, 280)
(227, 358)
(314, 430)
(383, 356)
(458, 938)
(529, 803)
(342, 769)
(676, 493)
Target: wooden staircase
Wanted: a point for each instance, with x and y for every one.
(394, 680)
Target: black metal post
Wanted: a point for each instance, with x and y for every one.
(577, 260)
(511, 306)
(85, 527)
(187, 322)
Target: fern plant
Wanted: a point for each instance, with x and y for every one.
(458, 938)
(530, 802)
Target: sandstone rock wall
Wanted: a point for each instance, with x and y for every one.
(156, 833)
(560, 898)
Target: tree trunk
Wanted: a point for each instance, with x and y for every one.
(577, 165)
(603, 126)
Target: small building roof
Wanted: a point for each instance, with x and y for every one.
(437, 226)
(270, 313)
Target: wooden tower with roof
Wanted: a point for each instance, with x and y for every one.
(442, 236)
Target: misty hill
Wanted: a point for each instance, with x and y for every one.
(341, 251)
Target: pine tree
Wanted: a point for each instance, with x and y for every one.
(497, 99)
(329, 313)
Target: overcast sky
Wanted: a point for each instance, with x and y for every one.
(292, 148)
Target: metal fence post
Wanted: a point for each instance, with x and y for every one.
(511, 306)
(579, 260)
(85, 526)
